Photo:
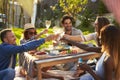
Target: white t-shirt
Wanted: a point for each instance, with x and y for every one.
(89, 37)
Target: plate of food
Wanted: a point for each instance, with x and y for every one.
(41, 55)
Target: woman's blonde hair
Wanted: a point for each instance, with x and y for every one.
(110, 39)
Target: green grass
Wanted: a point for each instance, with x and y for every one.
(18, 33)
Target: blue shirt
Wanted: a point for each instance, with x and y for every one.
(7, 50)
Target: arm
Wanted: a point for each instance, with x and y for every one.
(13, 49)
(108, 67)
(33, 37)
(84, 46)
(73, 38)
(89, 70)
(41, 33)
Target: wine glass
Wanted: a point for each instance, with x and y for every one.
(58, 30)
(55, 28)
(48, 23)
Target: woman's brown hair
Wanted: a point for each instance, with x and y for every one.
(101, 22)
(110, 39)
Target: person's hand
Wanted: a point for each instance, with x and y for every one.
(32, 51)
(41, 33)
(52, 37)
(65, 36)
(85, 67)
(44, 31)
(55, 43)
(78, 72)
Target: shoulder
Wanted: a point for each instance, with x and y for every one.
(108, 63)
(108, 68)
(108, 59)
(5, 44)
(22, 41)
(76, 31)
(6, 47)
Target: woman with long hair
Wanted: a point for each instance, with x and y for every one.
(110, 39)
(108, 66)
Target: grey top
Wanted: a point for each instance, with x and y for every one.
(76, 31)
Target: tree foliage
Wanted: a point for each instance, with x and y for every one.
(102, 8)
(1, 5)
(72, 7)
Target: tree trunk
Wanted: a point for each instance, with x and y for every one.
(13, 11)
(8, 15)
(21, 17)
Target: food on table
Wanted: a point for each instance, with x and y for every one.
(59, 47)
(54, 52)
(40, 53)
(63, 52)
(74, 52)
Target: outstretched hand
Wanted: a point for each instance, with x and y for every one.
(85, 67)
(65, 36)
(44, 31)
(52, 37)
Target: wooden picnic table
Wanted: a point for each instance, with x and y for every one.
(41, 63)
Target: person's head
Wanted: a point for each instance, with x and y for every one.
(29, 31)
(8, 36)
(67, 22)
(110, 39)
(100, 22)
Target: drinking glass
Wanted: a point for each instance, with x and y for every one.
(47, 23)
(58, 30)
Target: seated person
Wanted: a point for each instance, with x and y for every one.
(9, 50)
(29, 34)
(67, 24)
(107, 67)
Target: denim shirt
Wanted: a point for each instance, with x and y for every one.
(7, 50)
